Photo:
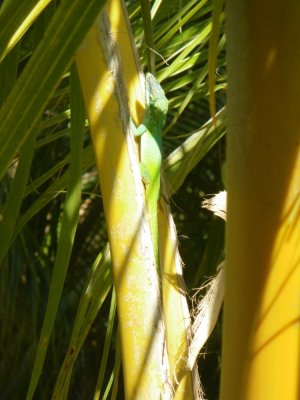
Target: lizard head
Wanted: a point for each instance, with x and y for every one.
(155, 98)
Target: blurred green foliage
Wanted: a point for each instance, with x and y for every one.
(181, 33)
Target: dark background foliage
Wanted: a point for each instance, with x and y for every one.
(27, 268)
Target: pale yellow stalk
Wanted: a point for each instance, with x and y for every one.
(185, 383)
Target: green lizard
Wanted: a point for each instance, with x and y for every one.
(151, 151)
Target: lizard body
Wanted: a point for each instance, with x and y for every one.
(151, 151)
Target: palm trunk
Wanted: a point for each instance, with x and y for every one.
(262, 303)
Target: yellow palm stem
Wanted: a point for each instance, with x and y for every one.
(261, 338)
(137, 289)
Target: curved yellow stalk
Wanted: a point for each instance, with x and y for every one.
(262, 303)
(135, 279)
(109, 71)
